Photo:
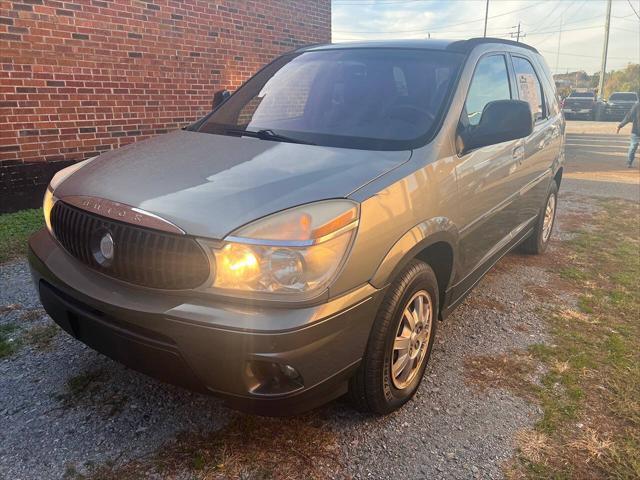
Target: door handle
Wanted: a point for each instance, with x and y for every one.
(518, 153)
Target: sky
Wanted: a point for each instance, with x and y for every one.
(581, 22)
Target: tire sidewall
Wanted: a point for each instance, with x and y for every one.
(424, 280)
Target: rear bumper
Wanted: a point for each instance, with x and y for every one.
(578, 113)
(206, 346)
(613, 113)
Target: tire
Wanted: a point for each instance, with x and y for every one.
(374, 388)
(538, 241)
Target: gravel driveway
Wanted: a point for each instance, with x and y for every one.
(65, 408)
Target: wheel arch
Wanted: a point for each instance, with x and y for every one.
(558, 176)
(435, 242)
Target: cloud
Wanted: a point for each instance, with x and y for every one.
(582, 24)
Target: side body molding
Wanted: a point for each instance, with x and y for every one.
(429, 232)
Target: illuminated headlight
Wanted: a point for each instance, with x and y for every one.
(49, 198)
(298, 251)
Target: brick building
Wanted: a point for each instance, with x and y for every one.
(79, 77)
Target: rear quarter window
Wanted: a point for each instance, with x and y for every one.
(529, 87)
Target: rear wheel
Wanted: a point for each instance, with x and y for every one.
(538, 241)
(400, 342)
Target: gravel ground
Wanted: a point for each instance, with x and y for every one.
(108, 413)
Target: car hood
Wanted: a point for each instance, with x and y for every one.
(209, 185)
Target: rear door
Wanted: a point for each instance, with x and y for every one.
(542, 147)
(487, 183)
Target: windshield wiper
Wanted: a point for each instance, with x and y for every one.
(265, 134)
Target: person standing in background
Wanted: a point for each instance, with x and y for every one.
(632, 116)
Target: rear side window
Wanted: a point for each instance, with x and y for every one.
(490, 82)
(529, 88)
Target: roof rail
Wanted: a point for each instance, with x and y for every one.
(467, 45)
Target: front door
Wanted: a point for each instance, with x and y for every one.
(487, 177)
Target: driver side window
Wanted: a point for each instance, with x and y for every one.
(490, 82)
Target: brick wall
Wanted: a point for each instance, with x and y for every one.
(83, 76)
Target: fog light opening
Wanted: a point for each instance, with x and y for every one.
(271, 378)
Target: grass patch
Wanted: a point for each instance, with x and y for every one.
(15, 229)
(590, 391)
(90, 389)
(248, 447)
(8, 343)
(41, 337)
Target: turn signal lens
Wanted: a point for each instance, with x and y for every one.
(297, 251)
(49, 198)
(309, 222)
(47, 205)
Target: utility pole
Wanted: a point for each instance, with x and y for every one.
(603, 68)
(486, 18)
(518, 33)
(559, 38)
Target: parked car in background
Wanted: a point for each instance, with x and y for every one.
(302, 240)
(618, 105)
(580, 105)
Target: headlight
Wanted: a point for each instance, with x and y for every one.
(295, 252)
(49, 198)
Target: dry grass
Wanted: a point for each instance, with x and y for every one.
(488, 303)
(248, 448)
(31, 314)
(534, 446)
(41, 337)
(10, 308)
(92, 389)
(512, 371)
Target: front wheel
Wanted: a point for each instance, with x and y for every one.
(538, 241)
(400, 342)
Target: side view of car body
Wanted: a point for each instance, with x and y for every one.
(302, 240)
(618, 105)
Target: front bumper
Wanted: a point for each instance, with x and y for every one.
(205, 345)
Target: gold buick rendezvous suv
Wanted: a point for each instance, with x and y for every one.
(303, 239)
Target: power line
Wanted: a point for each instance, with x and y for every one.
(585, 56)
(550, 15)
(634, 9)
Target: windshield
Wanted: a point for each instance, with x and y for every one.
(628, 97)
(583, 94)
(375, 99)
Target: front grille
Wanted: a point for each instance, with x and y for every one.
(141, 256)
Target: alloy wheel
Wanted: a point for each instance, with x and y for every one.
(549, 215)
(412, 339)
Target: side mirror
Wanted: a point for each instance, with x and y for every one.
(501, 121)
(219, 98)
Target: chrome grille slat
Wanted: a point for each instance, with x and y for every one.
(146, 257)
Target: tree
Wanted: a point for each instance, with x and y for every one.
(626, 80)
